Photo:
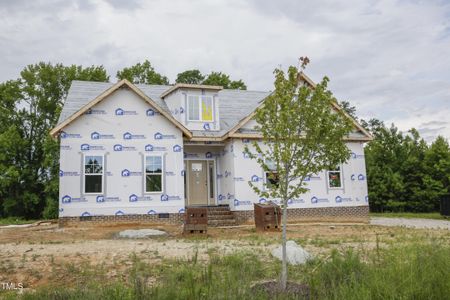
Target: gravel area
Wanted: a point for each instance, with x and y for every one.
(411, 223)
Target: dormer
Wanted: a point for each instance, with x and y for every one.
(195, 106)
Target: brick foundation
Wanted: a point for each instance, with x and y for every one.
(334, 214)
(174, 219)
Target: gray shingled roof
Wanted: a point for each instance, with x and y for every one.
(234, 105)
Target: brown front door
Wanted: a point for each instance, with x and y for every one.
(197, 180)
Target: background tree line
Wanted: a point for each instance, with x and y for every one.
(404, 173)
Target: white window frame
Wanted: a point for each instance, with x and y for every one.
(338, 170)
(162, 174)
(199, 100)
(84, 173)
(265, 178)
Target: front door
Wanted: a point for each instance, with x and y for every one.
(197, 182)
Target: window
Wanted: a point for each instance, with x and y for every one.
(200, 108)
(335, 178)
(271, 176)
(93, 174)
(153, 174)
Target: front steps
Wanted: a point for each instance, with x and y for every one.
(219, 216)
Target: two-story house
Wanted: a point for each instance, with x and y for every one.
(146, 152)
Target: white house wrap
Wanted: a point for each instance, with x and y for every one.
(150, 150)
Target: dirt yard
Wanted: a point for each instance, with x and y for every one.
(42, 254)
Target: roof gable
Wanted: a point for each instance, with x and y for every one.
(301, 77)
(74, 109)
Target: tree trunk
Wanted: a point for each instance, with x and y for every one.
(283, 243)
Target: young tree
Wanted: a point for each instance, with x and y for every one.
(190, 77)
(302, 135)
(142, 73)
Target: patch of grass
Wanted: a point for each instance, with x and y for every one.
(417, 269)
(409, 215)
(15, 221)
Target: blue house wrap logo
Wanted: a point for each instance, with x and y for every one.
(262, 200)
(181, 110)
(243, 203)
(160, 136)
(150, 148)
(150, 112)
(352, 178)
(86, 214)
(87, 147)
(206, 126)
(221, 197)
(311, 178)
(181, 211)
(119, 213)
(357, 156)
(121, 112)
(119, 147)
(340, 199)
(96, 136)
(245, 154)
(65, 174)
(136, 198)
(151, 212)
(183, 173)
(315, 200)
(65, 135)
(177, 148)
(256, 178)
(129, 136)
(165, 197)
(361, 177)
(295, 201)
(91, 111)
(208, 154)
(227, 173)
(128, 173)
(366, 198)
(66, 199)
(100, 198)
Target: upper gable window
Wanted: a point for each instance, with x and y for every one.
(200, 108)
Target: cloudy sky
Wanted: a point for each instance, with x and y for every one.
(391, 59)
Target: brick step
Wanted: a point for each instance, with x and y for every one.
(221, 217)
(219, 212)
(226, 222)
(219, 208)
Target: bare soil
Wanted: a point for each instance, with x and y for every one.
(42, 254)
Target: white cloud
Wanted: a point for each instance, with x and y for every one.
(389, 58)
